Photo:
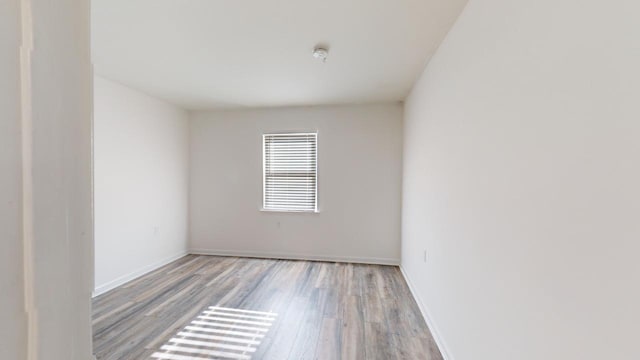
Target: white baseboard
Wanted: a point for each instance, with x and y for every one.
(101, 289)
(288, 256)
(427, 317)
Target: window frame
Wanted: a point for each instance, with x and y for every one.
(264, 174)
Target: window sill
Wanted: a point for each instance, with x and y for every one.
(290, 211)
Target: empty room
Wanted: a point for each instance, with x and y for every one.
(287, 180)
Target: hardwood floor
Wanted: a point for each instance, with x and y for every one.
(209, 307)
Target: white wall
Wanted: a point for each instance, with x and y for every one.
(359, 169)
(45, 185)
(141, 183)
(60, 217)
(521, 153)
(12, 309)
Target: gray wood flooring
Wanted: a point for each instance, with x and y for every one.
(209, 307)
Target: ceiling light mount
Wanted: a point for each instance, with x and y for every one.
(321, 53)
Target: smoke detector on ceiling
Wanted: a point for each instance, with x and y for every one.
(320, 53)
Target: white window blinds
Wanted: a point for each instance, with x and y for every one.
(290, 172)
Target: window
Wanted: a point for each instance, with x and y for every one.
(290, 172)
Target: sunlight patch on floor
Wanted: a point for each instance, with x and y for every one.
(219, 333)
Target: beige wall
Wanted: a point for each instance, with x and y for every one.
(45, 193)
(13, 324)
(359, 166)
(141, 183)
(521, 153)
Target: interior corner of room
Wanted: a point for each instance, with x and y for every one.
(195, 184)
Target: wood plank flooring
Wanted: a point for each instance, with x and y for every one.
(209, 307)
